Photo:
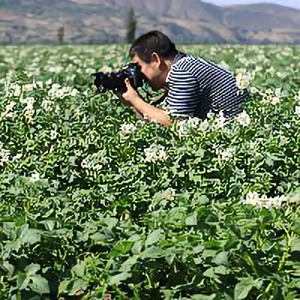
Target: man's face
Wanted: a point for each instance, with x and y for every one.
(151, 70)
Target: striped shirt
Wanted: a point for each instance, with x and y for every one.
(197, 86)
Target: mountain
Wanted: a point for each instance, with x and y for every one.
(104, 21)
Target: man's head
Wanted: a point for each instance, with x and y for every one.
(154, 52)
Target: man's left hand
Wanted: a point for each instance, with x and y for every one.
(130, 95)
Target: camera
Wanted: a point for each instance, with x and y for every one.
(115, 81)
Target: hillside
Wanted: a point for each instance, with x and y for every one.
(102, 21)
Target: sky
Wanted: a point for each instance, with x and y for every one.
(290, 3)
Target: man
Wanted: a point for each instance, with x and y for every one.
(194, 86)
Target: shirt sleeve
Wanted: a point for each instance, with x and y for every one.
(184, 93)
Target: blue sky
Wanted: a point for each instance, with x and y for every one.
(290, 3)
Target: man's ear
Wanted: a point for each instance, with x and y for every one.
(155, 58)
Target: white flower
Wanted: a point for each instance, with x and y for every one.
(56, 69)
(282, 75)
(8, 111)
(85, 164)
(28, 100)
(49, 81)
(18, 156)
(244, 119)
(220, 120)
(183, 130)
(59, 93)
(4, 156)
(273, 97)
(253, 90)
(243, 80)
(275, 100)
(186, 125)
(253, 144)
(226, 154)
(35, 176)
(29, 110)
(17, 91)
(210, 115)
(74, 92)
(91, 163)
(53, 134)
(28, 87)
(280, 93)
(297, 111)
(127, 129)
(155, 153)
(253, 198)
(204, 125)
(47, 105)
(40, 84)
(193, 122)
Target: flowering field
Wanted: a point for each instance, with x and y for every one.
(94, 201)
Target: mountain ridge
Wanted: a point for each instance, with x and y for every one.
(185, 21)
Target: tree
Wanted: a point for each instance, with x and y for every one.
(60, 34)
(131, 26)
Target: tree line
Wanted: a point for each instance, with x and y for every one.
(131, 24)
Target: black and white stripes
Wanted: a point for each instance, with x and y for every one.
(197, 86)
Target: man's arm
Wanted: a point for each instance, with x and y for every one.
(131, 98)
(151, 112)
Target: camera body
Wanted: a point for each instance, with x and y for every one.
(115, 81)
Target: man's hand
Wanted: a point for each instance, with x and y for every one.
(130, 95)
(132, 99)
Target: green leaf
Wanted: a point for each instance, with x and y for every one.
(111, 222)
(198, 249)
(32, 269)
(210, 273)
(22, 281)
(65, 285)
(134, 238)
(221, 258)
(30, 236)
(137, 247)
(98, 237)
(202, 200)
(127, 265)
(117, 279)
(203, 297)
(10, 268)
(153, 237)
(79, 269)
(243, 288)
(121, 247)
(192, 220)
(295, 244)
(39, 284)
(220, 270)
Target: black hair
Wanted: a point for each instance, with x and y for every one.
(153, 41)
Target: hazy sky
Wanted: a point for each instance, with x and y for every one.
(291, 3)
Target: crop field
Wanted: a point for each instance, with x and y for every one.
(96, 203)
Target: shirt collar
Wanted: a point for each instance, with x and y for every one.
(178, 56)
